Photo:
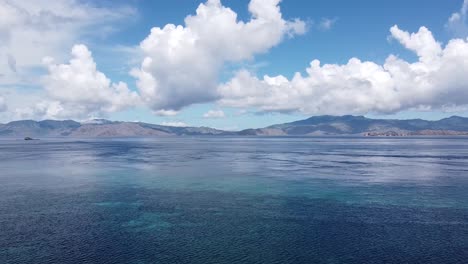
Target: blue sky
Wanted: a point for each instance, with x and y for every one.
(212, 74)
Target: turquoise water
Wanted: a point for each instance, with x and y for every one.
(234, 200)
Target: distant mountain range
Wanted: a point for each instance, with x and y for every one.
(360, 125)
(314, 126)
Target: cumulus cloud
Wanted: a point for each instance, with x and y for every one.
(174, 124)
(78, 89)
(3, 105)
(32, 29)
(458, 23)
(182, 63)
(214, 114)
(437, 80)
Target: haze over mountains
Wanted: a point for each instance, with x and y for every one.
(314, 126)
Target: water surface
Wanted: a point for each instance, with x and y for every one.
(234, 200)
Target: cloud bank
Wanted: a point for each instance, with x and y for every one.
(438, 80)
(182, 63)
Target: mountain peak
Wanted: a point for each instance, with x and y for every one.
(456, 117)
(97, 121)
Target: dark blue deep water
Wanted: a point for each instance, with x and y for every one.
(234, 200)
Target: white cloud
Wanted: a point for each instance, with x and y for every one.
(11, 63)
(438, 80)
(42, 109)
(182, 63)
(166, 113)
(3, 105)
(422, 43)
(327, 23)
(214, 114)
(18, 99)
(458, 23)
(32, 29)
(79, 90)
(174, 124)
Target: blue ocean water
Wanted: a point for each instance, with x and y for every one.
(234, 200)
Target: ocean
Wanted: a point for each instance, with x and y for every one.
(234, 200)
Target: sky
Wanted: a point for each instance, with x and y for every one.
(232, 64)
